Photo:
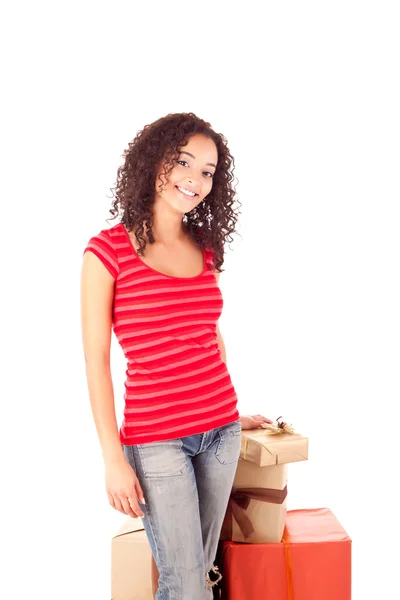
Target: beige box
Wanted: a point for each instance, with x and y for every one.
(264, 448)
(256, 511)
(131, 562)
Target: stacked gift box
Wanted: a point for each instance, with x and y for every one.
(131, 562)
(266, 552)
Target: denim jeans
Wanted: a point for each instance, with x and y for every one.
(186, 484)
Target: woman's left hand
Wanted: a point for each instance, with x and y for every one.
(253, 421)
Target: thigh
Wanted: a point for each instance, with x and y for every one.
(216, 465)
(215, 470)
(172, 518)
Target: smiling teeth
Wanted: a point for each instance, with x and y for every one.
(185, 191)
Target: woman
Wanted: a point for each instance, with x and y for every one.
(173, 461)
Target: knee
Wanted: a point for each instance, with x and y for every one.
(185, 582)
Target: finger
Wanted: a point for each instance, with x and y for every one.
(265, 419)
(134, 506)
(110, 499)
(117, 504)
(131, 507)
(139, 492)
(261, 419)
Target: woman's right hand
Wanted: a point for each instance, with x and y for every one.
(123, 488)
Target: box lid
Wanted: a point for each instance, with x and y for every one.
(130, 525)
(265, 448)
(312, 525)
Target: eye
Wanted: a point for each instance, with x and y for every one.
(184, 161)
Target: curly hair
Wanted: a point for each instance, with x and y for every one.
(212, 221)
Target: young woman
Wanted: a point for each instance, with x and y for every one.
(153, 279)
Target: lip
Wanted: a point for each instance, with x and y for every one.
(188, 189)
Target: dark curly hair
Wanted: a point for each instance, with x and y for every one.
(210, 223)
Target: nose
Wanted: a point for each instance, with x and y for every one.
(192, 182)
(193, 176)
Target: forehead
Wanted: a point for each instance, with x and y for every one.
(202, 148)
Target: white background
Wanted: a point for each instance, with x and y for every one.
(307, 95)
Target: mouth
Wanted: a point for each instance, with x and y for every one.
(186, 193)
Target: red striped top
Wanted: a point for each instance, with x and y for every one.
(176, 381)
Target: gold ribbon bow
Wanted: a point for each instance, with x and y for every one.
(238, 503)
(278, 427)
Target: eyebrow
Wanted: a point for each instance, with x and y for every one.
(188, 153)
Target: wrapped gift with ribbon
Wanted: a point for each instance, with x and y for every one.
(257, 505)
(312, 562)
(273, 444)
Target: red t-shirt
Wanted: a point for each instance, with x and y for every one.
(176, 381)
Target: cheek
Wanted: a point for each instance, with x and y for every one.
(208, 185)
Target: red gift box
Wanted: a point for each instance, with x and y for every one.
(312, 562)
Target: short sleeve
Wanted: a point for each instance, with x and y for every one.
(103, 247)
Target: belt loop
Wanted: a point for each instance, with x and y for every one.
(203, 439)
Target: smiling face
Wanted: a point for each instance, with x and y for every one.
(192, 171)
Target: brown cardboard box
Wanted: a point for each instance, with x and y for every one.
(263, 448)
(257, 507)
(266, 517)
(131, 562)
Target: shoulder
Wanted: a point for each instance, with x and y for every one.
(102, 244)
(101, 236)
(102, 241)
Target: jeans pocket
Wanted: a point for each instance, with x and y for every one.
(129, 455)
(162, 459)
(228, 449)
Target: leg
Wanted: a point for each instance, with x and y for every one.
(172, 518)
(215, 467)
(155, 576)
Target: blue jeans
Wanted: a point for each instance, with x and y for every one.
(186, 484)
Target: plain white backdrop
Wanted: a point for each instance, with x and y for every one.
(307, 95)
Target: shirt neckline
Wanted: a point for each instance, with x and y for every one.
(133, 249)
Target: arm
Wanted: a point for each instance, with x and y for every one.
(97, 290)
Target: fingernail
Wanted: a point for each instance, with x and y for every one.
(143, 501)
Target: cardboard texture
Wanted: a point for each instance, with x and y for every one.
(257, 507)
(313, 562)
(262, 466)
(266, 516)
(262, 448)
(131, 562)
